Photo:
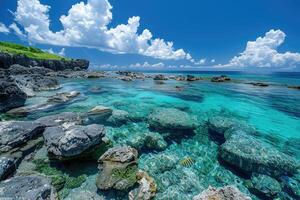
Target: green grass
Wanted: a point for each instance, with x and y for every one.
(30, 52)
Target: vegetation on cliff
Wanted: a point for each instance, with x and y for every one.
(30, 52)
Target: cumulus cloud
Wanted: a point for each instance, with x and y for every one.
(263, 53)
(3, 28)
(148, 65)
(86, 25)
(61, 52)
(200, 62)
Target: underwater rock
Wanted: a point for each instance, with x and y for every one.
(160, 77)
(118, 117)
(291, 185)
(222, 78)
(264, 186)
(11, 96)
(98, 114)
(32, 83)
(26, 187)
(63, 97)
(118, 168)
(251, 155)
(84, 194)
(224, 193)
(69, 118)
(258, 84)
(7, 166)
(65, 143)
(147, 187)
(148, 141)
(16, 133)
(171, 119)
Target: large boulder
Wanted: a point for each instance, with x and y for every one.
(27, 188)
(69, 118)
(7, 166)
(118, 117)
(98, 114)
(224, 193)
(251, 155)
(118, 168)
(16, 133)
(11, 96)
(65, 143)
(171, 119)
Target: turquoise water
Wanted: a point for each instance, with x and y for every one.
(274, 111)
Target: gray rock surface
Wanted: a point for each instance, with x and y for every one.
(118, 117)
(7, 166)
(16, 133)
(171, 119)
(70, 142)
(118, 168)
(26, 188)
(224, 193)
(57, 65)
(265, 185)
(252, 155)
(70, 118)
(11, 96)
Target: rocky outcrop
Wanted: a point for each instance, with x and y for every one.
(16, 133)
(118, 117)
(11, 96)
(222, 78)
(69, 118)
(26, 187)
(118, 168)
(171, 119)
(251, 155)
(224, 193)
(6, 60)
(7, 166)
(98, 114)
(65, 143)
(160, 77)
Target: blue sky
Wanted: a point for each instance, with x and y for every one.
(208, 30)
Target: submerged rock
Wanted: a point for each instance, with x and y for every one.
(264, 186)
(69, 118)
(7, 166)
(66, 143)
(171, 119)
(26, 187)
(16, 133)
(160, 77)
(148, 141)
(147, 187)
(251, 155)
(291, 185)
(118, 117)
(63, 97)
(98, 114)
(118, 168)
(11, 96)
(224, 193)
(222, 78)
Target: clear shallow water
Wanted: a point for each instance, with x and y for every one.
(274, 111)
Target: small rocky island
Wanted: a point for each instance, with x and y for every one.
(122, 152)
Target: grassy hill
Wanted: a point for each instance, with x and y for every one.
(30, 52)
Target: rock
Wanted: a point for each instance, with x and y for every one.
(63, 97)
(251, 155)
(35, 83)
(16, 133)
(127, 75)
(69, 118)
(84, 194)
(297, 87)
(147, 187)
(7, 167)
(26, 188)
(160, 77)
(171, 119)
(98, 114)
(222, 78)
(224, 193)
(57, 65)
(11, 96)
(118, 117)
(65, 143)
(148, 141)
(258, 84)
(291, 185)
(125, 78)
(180, 78)
(192, 78)
(118, 168)
(265, 186)
(21, 70)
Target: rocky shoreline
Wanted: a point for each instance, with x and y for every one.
(64, 138)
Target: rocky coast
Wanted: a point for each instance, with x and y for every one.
(70, 146)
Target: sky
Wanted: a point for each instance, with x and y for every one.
(251, 35)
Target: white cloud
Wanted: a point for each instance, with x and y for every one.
(3, 28)
(213, 60)
(148, 65)
(200, 62)
(61, 52)
(86, 25)
(263, 53)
